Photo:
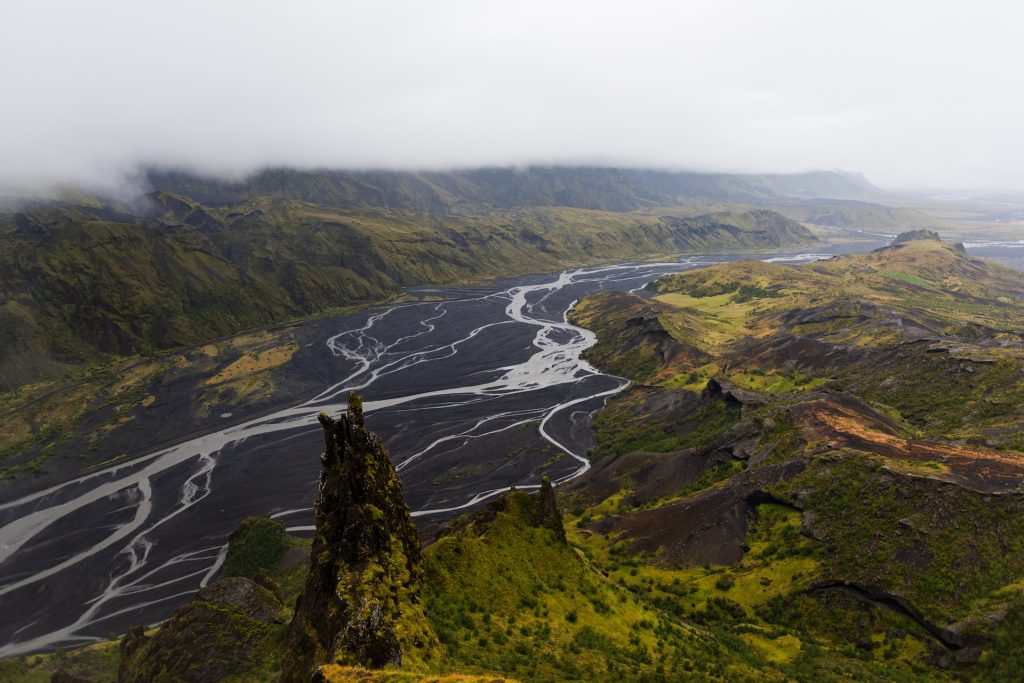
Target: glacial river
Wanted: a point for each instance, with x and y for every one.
(474, 394)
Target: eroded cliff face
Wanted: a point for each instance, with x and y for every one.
(362, 604)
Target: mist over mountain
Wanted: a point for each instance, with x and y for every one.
(503, 188)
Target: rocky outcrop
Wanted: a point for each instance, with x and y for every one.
(734, 395)
(913, 235)
(537, 511)
(362, 603)
(548, 514)
(230, 628)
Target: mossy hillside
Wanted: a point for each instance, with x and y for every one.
(83, 285)
(898, 557)
(864, 216)
(840, 324)
(1004, 659)
(96, 662)
(789, 381)
(91, 418)
(625, 426)
(957, 290)
(474, 191)
(891, 527)
(506, 595)
(947, 395)
(645, 341)
(842, 638)
(776, 549)
(965, 392)
(94, 290)
(947, 550)
(762, 609)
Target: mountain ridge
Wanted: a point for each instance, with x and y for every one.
(80, 284)
(503, 188)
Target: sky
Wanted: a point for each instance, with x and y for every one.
(914, 94)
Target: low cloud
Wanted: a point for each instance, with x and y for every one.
(913, 94)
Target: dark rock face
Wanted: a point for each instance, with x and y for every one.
(707, 528)
(362, 604)
(227, 630)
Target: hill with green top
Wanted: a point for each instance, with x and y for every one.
(828, 454)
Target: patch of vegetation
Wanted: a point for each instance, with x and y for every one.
(909, 278)
(943, 397)
(96, 662)
(942, 553)
(776, 382)
(506, 596)
(258, 543)
(744, 291)
(1003, 658)
(621, 430)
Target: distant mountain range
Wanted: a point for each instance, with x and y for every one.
(499, 189)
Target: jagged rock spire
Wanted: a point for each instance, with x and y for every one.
(362, 604)
(548, 514)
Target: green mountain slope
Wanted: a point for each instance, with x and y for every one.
(863, 215)
(80, 284)
(489, 189)
(833, 449)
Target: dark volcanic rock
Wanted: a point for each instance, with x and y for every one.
(709, 527)
(362, 604)
(735, 395)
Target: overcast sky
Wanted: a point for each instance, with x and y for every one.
(911, 93)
